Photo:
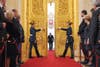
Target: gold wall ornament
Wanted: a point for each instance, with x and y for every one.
(34, 10)
(65, 10)
(37, 10)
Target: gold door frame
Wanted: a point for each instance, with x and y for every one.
(66, 10)
(34, 10)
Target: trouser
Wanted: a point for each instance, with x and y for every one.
(2, 59)
(69, 44)
(19, 52)
(96, 53)
(33, 44)
(83, 47)
(13, 61)
(12, 54)
(50, 45)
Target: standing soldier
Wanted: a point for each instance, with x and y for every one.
(69, 41)
(32, 40)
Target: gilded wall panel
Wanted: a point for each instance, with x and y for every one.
(65, 11)
(34, 10)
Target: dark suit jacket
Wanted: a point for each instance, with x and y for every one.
(50, 38)
(68, 34)
(20, 29)
(12, 30)
(81, 29)
(2, 17)
(94, 33)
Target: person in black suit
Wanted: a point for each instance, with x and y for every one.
(50, 41)
(81, 34)
(3, 39)
(11, 42)
(88, 47)
(94, 33)
(2, 16)
(69, 41)
(33, 41)
(20, 37)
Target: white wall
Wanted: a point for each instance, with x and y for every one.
(85, 5)
(13, 4)
(51, 15)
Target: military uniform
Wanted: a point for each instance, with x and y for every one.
(33, 42)
(69, 41)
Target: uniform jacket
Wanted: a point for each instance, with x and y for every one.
(68, 34)
(33, 34)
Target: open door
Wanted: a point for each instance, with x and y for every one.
(65, 10)
(34, 10)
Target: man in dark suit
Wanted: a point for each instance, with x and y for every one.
(2, 10)
(20, 37)
(50, 41)
(81, 34)
(33, 41)
(69, 41)
(2, 36)
(94, 33)
(3, 39)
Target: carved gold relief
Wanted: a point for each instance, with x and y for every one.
(34, 10)
(37, 10)
(65, 10)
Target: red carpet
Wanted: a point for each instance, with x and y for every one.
(51, 61)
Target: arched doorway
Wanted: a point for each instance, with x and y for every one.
(37, 10)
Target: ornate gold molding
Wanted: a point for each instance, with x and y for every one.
(65, 10)
(34, 10)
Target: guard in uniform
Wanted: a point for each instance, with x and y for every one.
(69, 41)
(32, 39)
